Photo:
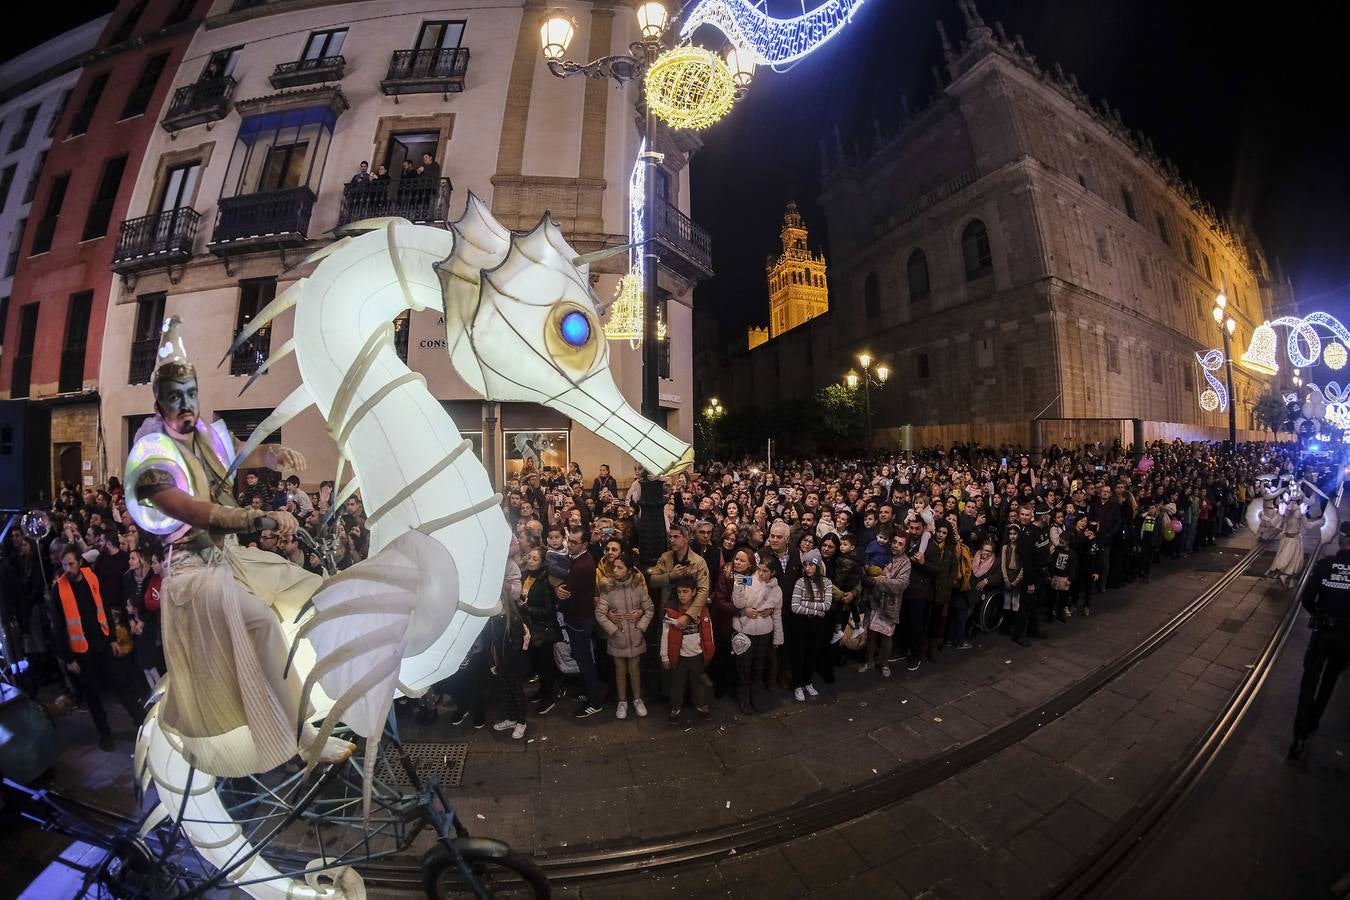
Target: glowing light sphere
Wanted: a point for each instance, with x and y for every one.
(1260, 355)
(625, 316)
(690, 87)
(1335, 356)
(1338, 414)
(1209, 401)
(576, 329)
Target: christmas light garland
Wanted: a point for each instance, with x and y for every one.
(1216, 397)
(773, 41)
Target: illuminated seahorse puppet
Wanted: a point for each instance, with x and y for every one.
(522, 325)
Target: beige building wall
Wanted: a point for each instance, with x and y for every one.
(514, 136)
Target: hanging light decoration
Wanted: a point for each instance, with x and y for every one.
(1216, 395)
(1260, 355)
(1209, 401)
(1334, 356)
(625, 315)
(690, 87)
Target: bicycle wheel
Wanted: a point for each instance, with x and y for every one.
(497, 871)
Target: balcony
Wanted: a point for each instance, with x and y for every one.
(249, 356)
(685, 248)
(426, 72)
(198, 103)
(152, 242)
(268, 220)
(308, 71)
(143, 354)
(423, 201)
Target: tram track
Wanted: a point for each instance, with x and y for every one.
(807, 817)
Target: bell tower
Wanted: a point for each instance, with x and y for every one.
(798, 289)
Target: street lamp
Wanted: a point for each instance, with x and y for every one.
(715, 410)
(873, 375)
(1227, 325)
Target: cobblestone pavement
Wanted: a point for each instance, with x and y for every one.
(1005, 827)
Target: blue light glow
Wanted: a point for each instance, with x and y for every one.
(576, 329)
(774, 41)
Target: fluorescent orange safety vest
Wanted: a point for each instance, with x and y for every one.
(74, 625)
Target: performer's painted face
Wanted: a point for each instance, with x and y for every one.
(177, 403)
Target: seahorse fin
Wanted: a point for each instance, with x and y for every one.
(280, 353)
(282, 302)
(322, 253)
(297, 401)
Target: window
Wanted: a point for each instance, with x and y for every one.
(1113, 355)
(243, 422)
(872, 296)
(180, 12)
(100, 211)
(323, 44)
(1163, 231)
(1189, 248)
(145, 339)
(284, 167)
(46, 227)
(6, 182)
(975, 249)
(58, 112)
(140, 95)
(401, 331)
(1157, 365)
(23, 360)
(128, 24)
(1103, 249)
(180, 186)
(4, 318)
(1128, 198)
(12, 262)
(221, 64)
(440, 35)
(254, 295)
(79, 123)
(25, 129)
(923, 365)
(77, 335)
(1209, 273)
(1188, 379)
(1146, 271)
(917, 271)
(31, 188)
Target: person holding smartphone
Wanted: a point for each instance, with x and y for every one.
(758, 601)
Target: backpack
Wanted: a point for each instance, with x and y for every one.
(963, 570)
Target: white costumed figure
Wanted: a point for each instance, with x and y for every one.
(1289, 558)
(522, 325)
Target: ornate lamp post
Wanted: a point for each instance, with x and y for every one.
(872, 376)
(1227, 325)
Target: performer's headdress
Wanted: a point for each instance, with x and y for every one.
(171, 359)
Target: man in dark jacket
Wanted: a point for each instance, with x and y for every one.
(918, 596)
(1105, 511)
(1326, 597)
(576, 599)
(1033, 547)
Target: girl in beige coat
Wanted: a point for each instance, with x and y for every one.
(624, 610)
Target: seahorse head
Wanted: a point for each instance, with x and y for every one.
(524, 327)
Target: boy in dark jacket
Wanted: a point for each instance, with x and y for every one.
(686, 650)
(1088, 571)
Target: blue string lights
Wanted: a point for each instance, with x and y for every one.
(774, 41)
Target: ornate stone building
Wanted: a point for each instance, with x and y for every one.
(798, 289)
(1014, 253)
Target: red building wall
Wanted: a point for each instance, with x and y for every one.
(72, 265)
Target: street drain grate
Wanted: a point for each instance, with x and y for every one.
(444, 761)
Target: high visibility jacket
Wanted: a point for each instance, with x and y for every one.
(74, 624)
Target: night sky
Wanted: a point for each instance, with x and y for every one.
(1248, 104)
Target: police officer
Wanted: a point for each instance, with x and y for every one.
(1327, 600)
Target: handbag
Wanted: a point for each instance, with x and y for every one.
(855, 636)
(739, 643)
(562, 656)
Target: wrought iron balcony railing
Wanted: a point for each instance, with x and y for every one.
(426, 71)
(142, 361)
(308, 71)
(249, 356)
(256, 221)
(202, 101)
(158, 240)
(685, 247)
(424, 201)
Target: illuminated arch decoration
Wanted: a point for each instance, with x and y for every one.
(1217, 396)
(1304, 332)
(690, 87)
(774, 42)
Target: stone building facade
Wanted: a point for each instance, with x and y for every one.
(1011, 253)
(799, 289)
(370, 82)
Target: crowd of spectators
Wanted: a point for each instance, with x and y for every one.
(764, 580)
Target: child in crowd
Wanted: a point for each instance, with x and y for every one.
(624, 610)
(1063, 564)
(556, 561)
(685, 651)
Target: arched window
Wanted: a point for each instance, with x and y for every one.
(917, 270)
(872, 296)
(806, 276)
(975, 250)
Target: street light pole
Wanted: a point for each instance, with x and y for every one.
(1226, 326)
(651, 384)
(871, 375)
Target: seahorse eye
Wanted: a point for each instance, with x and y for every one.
(576, 329)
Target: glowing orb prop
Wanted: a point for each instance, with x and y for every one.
(1260, 355)
(1209, 401)
(1335, 356)
(625, 315)
(690, 87)
(576, 329)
